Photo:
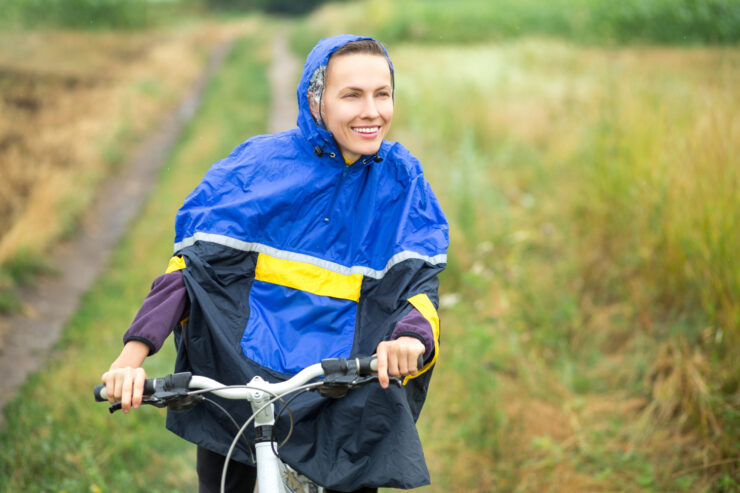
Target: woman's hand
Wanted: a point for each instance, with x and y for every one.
(124, 381)
(398, 358)
(125, 385)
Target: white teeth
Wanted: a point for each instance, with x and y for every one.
(366, 130)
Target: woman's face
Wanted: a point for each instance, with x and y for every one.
(357, 106)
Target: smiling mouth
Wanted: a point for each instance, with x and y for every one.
(366, 131)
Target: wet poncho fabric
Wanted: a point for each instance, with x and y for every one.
(290, 256)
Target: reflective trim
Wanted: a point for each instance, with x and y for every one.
(308, 259)
(307, 277)
(176, 263)
(425, 306)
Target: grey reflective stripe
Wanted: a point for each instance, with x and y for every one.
(308, 259)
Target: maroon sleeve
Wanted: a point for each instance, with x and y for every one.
(415, 325)
(163, 308)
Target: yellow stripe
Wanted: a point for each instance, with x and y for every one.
(307, 277)
(176, 263)
(425, 306)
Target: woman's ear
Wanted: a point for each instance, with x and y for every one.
(313, 105)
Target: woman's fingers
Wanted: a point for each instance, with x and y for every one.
(118, 385)
(126, 389)
(125, 385)
(109, 385)
(140, 377)
(398, 358)
(382, 355)
(401, 366)
(408, 350)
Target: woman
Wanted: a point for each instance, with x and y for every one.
(322, 241)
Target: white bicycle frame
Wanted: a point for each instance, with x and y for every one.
(273, 476)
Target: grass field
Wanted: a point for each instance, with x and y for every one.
(586, 338)
(590, 308)
(72, 105)
(437, 22)
(55, 438)
(590, 304)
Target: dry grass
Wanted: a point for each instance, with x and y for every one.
(71, 107)
(592, 195)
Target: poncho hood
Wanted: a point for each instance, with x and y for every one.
(319, 57)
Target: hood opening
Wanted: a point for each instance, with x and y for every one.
(313, 79)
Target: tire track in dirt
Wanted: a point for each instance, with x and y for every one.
(28, 338)
(283, 82)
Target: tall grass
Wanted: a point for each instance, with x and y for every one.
(77, 14)
(593, 203)
(74, 105)
(55, 438)
(588, 21)
(589, 310)
(662, 168)
(659, 214)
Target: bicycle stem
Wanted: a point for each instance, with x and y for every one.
(268, 473)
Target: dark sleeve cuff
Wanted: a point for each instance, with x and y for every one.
(415, 325)
(152, 347)
(417, 337)
(164, 306)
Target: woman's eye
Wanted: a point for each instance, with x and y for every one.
(350, 95)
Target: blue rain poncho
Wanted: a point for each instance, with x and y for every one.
(292, 256)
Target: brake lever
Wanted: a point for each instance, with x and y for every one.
(357, 382)
(152, 401)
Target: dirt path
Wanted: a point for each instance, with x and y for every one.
(28, 338)
(283, 82)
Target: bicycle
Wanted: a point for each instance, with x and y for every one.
(181, 391)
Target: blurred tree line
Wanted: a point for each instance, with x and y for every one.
(282, 7)
(582, 21)
(589, 21)
(131, 14)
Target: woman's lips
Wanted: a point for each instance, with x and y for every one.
(367, 132)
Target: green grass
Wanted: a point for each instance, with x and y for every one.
(21, 270)
(99, 15)
(46, 197)
(55, 438)
(77, 14)
(583, 21)
(593, 205)
(589, 311)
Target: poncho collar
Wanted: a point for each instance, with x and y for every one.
(321, 140)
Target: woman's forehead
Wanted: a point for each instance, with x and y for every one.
(358, 69)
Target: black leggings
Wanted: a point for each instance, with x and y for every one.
(240, 478)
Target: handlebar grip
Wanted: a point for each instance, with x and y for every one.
(101, 395)
(150, 386)
(369, 365)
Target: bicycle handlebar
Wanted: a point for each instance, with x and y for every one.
(341, 375)
(168, 383)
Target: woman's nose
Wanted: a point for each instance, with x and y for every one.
(369, 108)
